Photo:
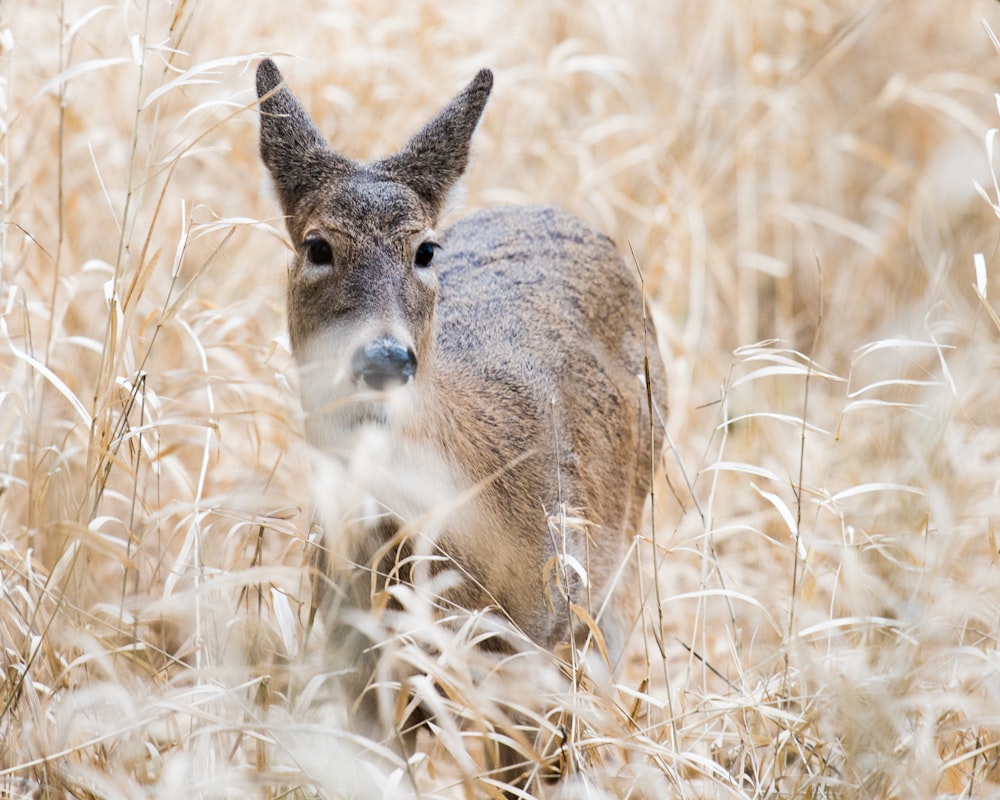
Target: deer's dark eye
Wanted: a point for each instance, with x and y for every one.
(425, 254)
(318, 250)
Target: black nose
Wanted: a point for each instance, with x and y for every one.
(383, 364)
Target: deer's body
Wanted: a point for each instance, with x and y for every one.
(490, 378)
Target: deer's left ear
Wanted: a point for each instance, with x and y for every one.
(433, 160)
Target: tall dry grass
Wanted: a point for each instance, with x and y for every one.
(817, 614)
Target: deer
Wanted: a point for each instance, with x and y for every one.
(492, 376)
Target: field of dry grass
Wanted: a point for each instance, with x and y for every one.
(819, 606)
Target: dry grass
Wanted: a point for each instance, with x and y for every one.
(819, 604)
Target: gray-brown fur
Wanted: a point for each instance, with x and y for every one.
(510, 369)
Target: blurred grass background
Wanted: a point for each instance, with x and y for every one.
(796, 181)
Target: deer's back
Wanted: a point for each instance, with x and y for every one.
(538, 285)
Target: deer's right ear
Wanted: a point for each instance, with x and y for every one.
(294, 151)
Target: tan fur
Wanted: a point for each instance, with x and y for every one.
(525, 334)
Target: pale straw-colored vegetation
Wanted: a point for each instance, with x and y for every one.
(817, 610)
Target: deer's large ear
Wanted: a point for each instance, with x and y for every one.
(294, 151)
(435, 158)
